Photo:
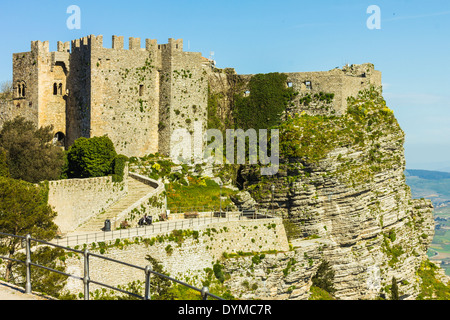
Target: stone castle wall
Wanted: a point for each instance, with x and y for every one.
(140, 96)
(78, 200)
(188, 259)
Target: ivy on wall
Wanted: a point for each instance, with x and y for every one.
(267, 98)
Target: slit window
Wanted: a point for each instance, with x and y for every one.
(141, 90)
(308, 85)
(55, 89)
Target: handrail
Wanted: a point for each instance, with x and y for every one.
(86, 280)
(153, 229)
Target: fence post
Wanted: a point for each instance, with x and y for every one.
(148, 270)
(205, 292)
(28, 264)
(86, 274)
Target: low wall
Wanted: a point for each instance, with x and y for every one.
(185, 261)
(78, 200)
(151, 205)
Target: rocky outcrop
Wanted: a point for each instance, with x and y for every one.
(341, 181)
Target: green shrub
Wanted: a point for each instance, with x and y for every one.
(217, 268)
(93, 157)
(119, 167)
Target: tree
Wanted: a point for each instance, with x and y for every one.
(30, 154)
(91, 157)
(24, 210)
(394, 289)
(6, 90)
(160, 286)
(44, 281)
(4, 170)
(324, 277)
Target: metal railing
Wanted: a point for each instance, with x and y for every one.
(86, 279)
(153, 229)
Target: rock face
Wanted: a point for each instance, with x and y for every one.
(341, 182)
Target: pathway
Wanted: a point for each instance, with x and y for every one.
(136, 191)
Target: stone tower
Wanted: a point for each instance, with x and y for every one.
(136, 96)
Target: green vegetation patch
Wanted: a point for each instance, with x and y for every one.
(261, 109)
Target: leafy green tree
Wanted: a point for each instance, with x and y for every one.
(91, 157)
(160, 286)
(30, 154)
(324, 277)
(24, 210)
(4, 170)
(43, 280)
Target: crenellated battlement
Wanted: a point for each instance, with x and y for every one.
(40, 47)
(118, 43)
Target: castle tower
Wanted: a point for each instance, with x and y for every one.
(40, 84)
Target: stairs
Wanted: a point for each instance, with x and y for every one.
(136, 191)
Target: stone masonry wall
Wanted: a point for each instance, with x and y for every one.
(187, 260)
(125, 96)
(77, 200)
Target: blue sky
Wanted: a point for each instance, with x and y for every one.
(412, 48)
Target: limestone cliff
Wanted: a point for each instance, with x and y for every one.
(341, 189)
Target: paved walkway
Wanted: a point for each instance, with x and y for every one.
(10, 292)
(85, 237)
(136, 191)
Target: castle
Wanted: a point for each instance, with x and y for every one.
(139, 96)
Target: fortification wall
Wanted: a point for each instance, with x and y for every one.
(185, 260)
(184, 92)
(52, 71)
(78, 113)
(125, 95)
(25, 76)
(78, 200)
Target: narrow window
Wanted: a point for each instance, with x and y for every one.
(23, 90)
(308, 85)
(141, 90)
(60, 89)
(19, 90)
(55, 89)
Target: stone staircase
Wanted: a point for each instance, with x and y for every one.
(136, 191)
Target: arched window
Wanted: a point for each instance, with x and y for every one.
(23, 90)
(60, 89)
(58, 139)
(19, 90)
